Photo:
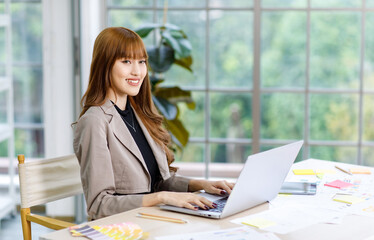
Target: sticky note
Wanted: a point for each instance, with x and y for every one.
(348, 199)
(259, 222)
(303, 171)
(360, 170)
(325, 171)
(320, 175)
(339, 184)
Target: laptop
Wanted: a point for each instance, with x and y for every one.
(259, 181)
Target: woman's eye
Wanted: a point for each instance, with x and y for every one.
(126, 61)
(142, 61)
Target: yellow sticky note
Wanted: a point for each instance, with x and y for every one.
(360, 170)
(259, 222)
(325, 171)
(320, 175)
(303, 172)
(348, 199)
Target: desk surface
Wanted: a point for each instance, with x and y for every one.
(352, 226)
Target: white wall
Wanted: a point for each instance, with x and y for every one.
(58, 88)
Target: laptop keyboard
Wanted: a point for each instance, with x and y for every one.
(220, 205)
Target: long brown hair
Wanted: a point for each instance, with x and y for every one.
(111, 44)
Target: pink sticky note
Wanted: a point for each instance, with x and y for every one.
(339, 184)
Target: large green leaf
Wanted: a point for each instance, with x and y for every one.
(171, 27)
(174, 95)
(179, 133)
(181, 45)
(166, 108)
(144, 30)
(185, 63)
(160, 59)
(172, 42)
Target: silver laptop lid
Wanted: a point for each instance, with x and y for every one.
(261, 178)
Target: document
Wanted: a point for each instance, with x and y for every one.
(289, 218)
(239, 233)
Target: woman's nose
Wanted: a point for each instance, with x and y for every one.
(135, 69)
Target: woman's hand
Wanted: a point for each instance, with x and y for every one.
(213, 187)
(179, 199)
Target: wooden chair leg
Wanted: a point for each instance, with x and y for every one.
(26, 225)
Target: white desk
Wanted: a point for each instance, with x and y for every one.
(353, 226)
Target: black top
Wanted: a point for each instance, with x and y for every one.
(132, 124)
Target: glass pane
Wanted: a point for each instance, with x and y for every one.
(230, 152)
(231, 115)
(193, 152)
(131, 19)
(368, 156)
(335, 50)
(226, 163)
(282, 116)
(370, 3)
(191, 160)
(182, 3)
(2, 50)
(283, 49)
(2, 7)
(194, 120)
(336, 3)
(28, 94)
(368, 130)
(369, 53)
(284, 3)
(334, 117)
(193, 24)
(231, 49)
(336, 154)
(27, 32)
(3, 107)
(225, 3)
(265, 147)
(29, 142)
(129, 3)
(4, 149)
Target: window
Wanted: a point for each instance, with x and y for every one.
(269, 72)
(27, 79)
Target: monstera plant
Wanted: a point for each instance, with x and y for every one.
(171, 47)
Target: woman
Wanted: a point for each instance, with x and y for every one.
(119, 138)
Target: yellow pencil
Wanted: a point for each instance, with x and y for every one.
(161, 218)
(343, 170)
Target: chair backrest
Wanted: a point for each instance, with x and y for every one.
(43, 181)
(48, 180)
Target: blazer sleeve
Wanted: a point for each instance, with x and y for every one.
(97, 176)
(173, 183)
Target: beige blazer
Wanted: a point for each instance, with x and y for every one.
(113, 171)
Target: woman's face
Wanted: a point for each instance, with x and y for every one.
(128, 75)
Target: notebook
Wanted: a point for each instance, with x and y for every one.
(259, 181)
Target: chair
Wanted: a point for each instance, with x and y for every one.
(44, 181)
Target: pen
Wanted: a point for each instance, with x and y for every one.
(161, 218)
(343, 170)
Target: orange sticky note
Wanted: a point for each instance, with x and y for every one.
(303, 172)
(360, 170)
(326, 171)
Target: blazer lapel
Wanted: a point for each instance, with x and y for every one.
(121, 132)
(157, 151)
